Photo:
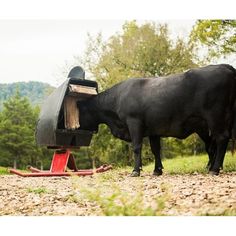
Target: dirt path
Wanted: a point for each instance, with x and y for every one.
(115, 193)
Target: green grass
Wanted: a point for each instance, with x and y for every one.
(224, 212)
(73, 197)
(4, 171)
(120, 203)
(178, 165)
(40, 191)
(192, 164)
(113, 200)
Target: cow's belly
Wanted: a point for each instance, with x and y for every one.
(174, 131)
(178, 127)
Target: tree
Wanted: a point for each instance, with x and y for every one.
(17, 124)
(219, 36)
(138, 51)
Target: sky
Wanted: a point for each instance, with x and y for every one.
(39, 50)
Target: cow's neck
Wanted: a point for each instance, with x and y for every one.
(103, 107)
(106, 101)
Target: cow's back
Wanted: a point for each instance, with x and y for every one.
(166, 104)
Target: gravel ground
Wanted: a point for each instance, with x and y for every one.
(194, 194)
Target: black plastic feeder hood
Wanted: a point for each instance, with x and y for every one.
(58, 122)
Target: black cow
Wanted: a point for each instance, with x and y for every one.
(200, 100)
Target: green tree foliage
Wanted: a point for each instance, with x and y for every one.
(138, 51)
(17, 126)
(35, 91)
(219, 36)
(189, 146)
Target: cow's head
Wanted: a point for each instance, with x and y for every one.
(88, 117)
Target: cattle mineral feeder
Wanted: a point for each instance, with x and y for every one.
(59, 128)
(201, 100)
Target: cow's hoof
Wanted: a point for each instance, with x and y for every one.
(157, 173)
(214, 172)
(135, 174)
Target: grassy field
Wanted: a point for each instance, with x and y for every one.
(189, 165)
(193, 164)
(179, 165)
(3, 171)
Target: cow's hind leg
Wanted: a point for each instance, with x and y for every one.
(136, 134)
(221, 146)
(155, 144)
(210, 147)
(220, 127)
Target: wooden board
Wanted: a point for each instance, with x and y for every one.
(71, 113)
(82, 90)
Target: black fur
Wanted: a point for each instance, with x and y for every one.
(198, 101)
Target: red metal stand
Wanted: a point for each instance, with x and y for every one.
(60, 161)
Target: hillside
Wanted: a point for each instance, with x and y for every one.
(35, 91)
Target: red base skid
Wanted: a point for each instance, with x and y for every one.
(61, 160)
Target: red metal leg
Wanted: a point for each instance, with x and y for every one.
(61, 160)
(34, 170)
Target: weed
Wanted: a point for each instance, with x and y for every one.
(223, 212)
(4, 171)
(38, 190)
(120, 203)
(73, 198)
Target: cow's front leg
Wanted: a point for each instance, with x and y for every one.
(211, 150)
(136, 134)
(155, 143)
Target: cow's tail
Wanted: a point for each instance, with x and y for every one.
(233, 147)
(233, 130)
(233, 133)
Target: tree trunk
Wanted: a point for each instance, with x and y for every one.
(195, 150)
(93, 163)
(195, 145)
(41, 165)
(15, 163)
